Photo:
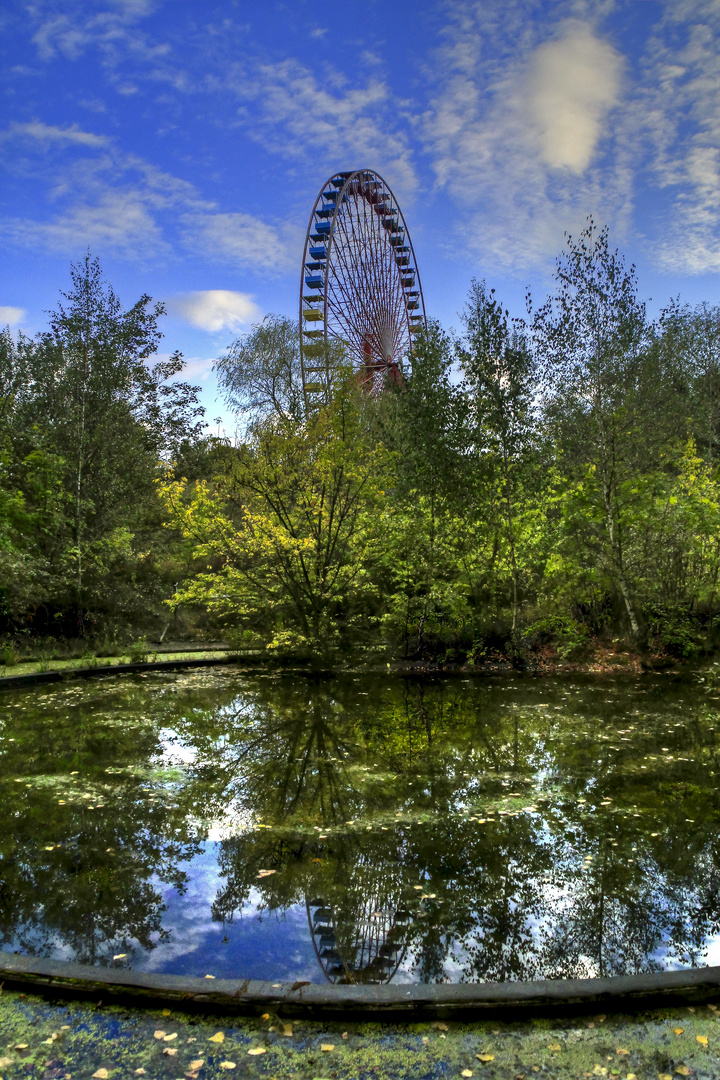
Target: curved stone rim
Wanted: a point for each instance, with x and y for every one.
(35, 678)
(402, 1002)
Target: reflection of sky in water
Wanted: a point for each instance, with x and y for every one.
(518, 755)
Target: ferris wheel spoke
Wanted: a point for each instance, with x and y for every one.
(360, 282)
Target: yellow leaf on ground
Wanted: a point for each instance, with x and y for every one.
(678, 1031)
(702, 1039)
(159, 1034)
(227, 1064)
(220, 1037)
(621, 1051)
(101, 1074)
(197, 1064)
(485, 1057)
(257, 1050)
(327, 1047)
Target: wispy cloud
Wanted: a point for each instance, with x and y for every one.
(49, 133)
(521, 132)
(244, 240)
(681, 99)
(215, 309)
(11, 316)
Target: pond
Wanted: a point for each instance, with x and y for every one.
(362, 829)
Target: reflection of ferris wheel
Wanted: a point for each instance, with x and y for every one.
(372, 951)
(360, 284)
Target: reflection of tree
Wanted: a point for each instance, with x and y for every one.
(71, 877)
(512, 899)
(366, 791)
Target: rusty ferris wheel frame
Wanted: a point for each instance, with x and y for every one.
(360, 285)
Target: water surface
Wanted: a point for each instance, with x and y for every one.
(361, 829)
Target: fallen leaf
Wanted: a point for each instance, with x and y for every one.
(121, 956)
(209, 976)
(555, 1046)
(344, 1035)
(276, 985)
(169, 1038)
(287, 1030)
(266, 873)
(170, 1051)
(683, 1070)
(21, 1046)
(440, 1026)
(65, 1027)
(48, 847)
(220, 1037)
(327, 1047)
(466, 1072)
(664, 1076)
(631, 1076)
(5, 1063)
(702, 1039)
(678, 1031)
(166, 1012)
(257, 1050)
(197, 1063)
(485, 1057)
(101, 1074)
(229, 1064)
(621, 1051)
(159, 1034)
(139, 1072)
(265, 1016)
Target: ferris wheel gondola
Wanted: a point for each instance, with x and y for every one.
(360, 285)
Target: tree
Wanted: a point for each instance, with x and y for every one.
(500, 384)
(260, 373)
(91, 418)
(591, 339)
(291, 529)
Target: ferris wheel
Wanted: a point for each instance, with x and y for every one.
(360, 285)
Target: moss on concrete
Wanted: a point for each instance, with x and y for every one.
(72, 1041)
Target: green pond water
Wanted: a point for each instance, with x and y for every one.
(362, 829)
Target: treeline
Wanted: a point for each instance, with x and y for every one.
(536, 484)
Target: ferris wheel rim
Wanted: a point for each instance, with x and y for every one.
(318, 261)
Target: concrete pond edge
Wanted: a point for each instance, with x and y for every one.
(36, 678)
(402, 1002)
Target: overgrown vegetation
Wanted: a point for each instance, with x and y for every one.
(535, 486)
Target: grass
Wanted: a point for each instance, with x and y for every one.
(32, 667)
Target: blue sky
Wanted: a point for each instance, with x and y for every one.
(184, 142)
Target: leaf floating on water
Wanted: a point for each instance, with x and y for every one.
(197, 1064)
(265, 1016)
(327, 1047)
(169, 1038)
(159, 1034)
(485, 1057)
(101, 1074)
(276, 985)
(621, 1051)
(554, 1046)
(466, 1072)
(21, 1046)
(166, 1012)
(139, 1072)
(257, 1050)
(418, 887)
(287, 1030)
(220, 1037)
(209, 976)
(120, 956)
(702, 1039)
(170, 1051)
(230, 1064)
(49, 847)
(683, 1070)
(678, 1031)
(266, 873)
(439, 1026)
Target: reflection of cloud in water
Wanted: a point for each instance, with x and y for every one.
(259, 944)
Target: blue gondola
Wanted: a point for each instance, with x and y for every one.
(318, 252)
(314, 282)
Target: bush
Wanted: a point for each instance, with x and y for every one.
(569, 636)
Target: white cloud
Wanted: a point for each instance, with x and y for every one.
(572, 84)
(520, 131)
(48, 133)
(11, 316)
(215, 309)
(244, 240)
